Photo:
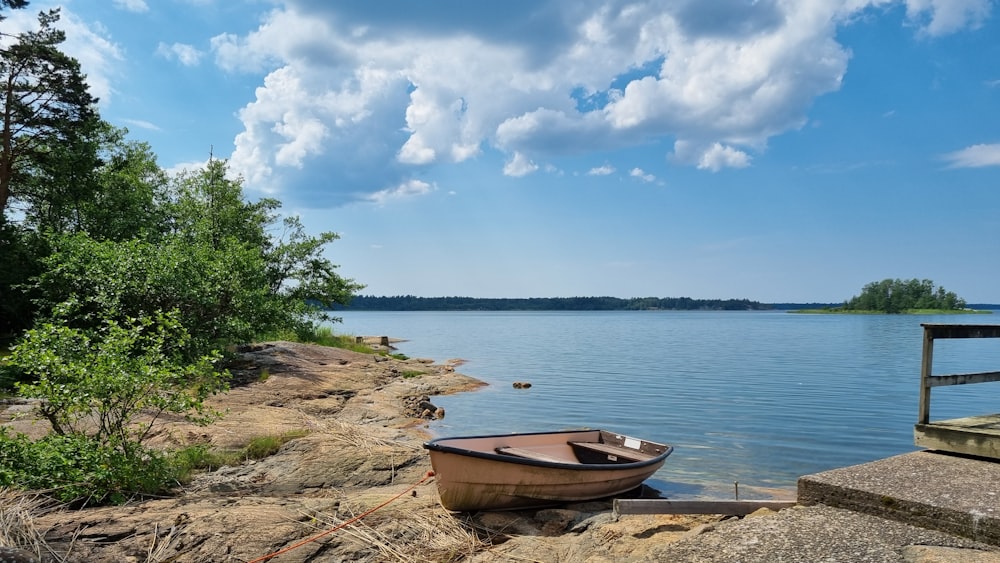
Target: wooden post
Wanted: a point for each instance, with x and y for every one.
(924, 415)
(385, 341)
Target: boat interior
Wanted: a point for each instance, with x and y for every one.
(580, 452)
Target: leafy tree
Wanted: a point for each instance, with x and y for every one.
(59, 185)
(220, 267)
(132, 192)
(301, 277)
(133, 280)
(102, 391)
(208, 207)
(220, 295)
(45, 106)
(300, 283)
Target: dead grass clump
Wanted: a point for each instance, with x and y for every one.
(355, 435)
(18, 511)
(398, 534)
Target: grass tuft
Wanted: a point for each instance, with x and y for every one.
(201, 458)
(324, 336)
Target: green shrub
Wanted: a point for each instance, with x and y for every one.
(79, 470)
(113, 375)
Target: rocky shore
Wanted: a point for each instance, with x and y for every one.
(355, 487)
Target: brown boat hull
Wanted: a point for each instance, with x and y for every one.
(472, 474)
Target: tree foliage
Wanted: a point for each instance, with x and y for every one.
(20, 252)
(897, 296)
(218, 264)
(14, 4)
(47, 111)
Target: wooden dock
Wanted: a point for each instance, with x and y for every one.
(977, 435)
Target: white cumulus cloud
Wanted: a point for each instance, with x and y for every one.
(354, 96)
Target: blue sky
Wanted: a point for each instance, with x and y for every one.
(763, 149)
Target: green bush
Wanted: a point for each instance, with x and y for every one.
(79, 470)
(113, 375)
(102, 390)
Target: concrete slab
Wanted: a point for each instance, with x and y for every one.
(938, 491)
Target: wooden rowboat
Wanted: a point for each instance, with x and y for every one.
(511, 471)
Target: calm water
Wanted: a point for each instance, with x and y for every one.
(758, 398)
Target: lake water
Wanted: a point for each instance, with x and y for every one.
(758, 398)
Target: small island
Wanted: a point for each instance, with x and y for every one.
(895, 296)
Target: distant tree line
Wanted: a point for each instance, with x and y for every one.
(413, 303)
(897, 296)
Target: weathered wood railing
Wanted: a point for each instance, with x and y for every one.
(977, 435)
(928, 380)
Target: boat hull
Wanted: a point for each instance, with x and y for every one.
(472, 475)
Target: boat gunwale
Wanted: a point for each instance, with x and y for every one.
(435, 446)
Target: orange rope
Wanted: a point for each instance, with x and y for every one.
(342, 525)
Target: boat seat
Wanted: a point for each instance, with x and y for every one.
(530, 454)
(613, 450)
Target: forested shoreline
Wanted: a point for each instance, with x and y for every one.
(413, 303)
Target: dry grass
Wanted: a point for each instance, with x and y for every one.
(400, 534)
(18, 511)
(162, 547)
(355, 435)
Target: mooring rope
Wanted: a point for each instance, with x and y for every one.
(343, 524)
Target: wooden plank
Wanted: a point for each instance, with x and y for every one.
(963, 378)
(941, 330)
(983, 442)
(610, 449)
(726, 507)
(927, 358)
(530, 454)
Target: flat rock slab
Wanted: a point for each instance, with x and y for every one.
(950, 493)
(821, 534)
